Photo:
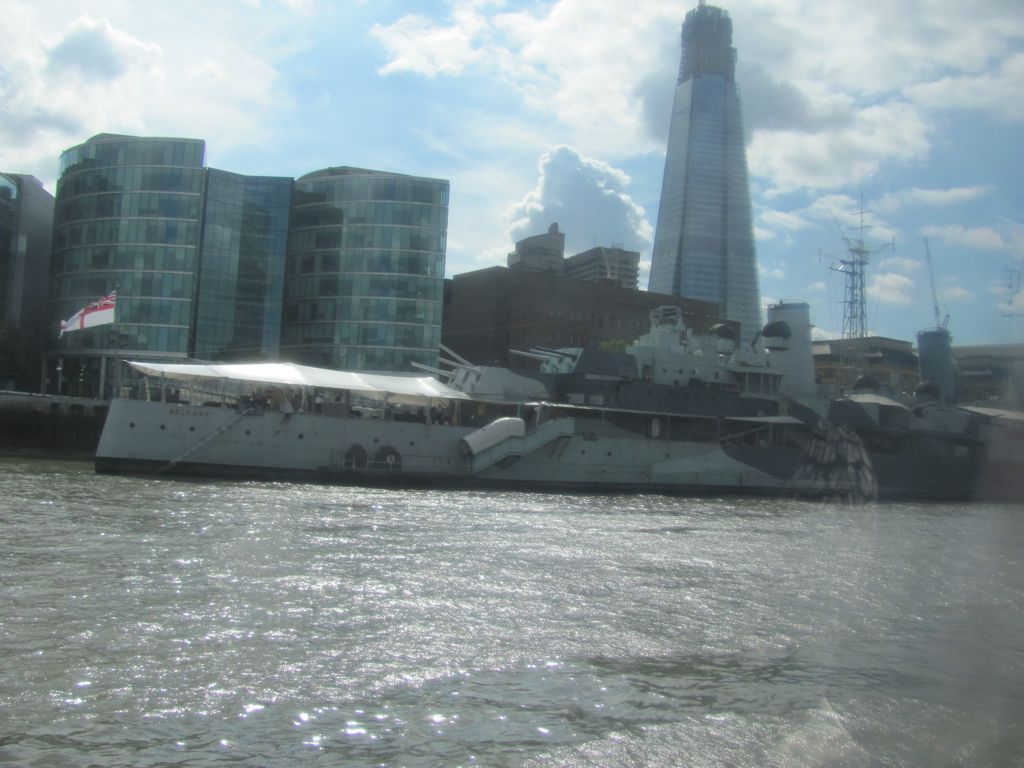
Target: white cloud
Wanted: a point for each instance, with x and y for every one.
(304, 7)
(96, 51)
(890, 288)
(932, 197)
(838, 207)
(872, 50)
(594, 87)
(995, 93)
(956, 293)
(847, 218)
(589, 201)
(418, 44)
(820, 334)
(899, 263)
(782, 220)
(589, 63)
(894, 132)
(977, 238)
(776, 272)
(851, 90)
(825, 103)
(68, 81)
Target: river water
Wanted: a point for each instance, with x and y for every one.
(161, 622)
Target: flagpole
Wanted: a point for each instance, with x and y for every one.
(103, 376)
(116, 333)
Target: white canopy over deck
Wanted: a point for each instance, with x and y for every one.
(412, 389)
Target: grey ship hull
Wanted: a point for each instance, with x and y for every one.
(583, 453)
(572, 454)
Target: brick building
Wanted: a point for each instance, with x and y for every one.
(489, 311)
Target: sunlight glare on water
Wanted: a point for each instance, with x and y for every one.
(168, 622)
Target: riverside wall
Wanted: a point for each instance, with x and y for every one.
(50, 425)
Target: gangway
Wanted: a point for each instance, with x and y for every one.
(512, 446)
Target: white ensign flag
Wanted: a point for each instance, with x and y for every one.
(98, 313)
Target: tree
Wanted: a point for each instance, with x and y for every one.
(614, 345)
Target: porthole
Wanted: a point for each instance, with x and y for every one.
(191, 429)
(301, 435)
(163, 426)
(131, 425)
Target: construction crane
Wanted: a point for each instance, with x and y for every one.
(935, 296)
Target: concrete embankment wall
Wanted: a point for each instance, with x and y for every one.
(48, 425)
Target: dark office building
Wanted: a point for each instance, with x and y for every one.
(241, 267)
(26, 226)
(489, 311)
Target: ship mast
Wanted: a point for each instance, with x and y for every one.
(853, 264)
(1013, 287)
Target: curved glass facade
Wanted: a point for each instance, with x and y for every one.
(128, 213)
(365, 270)
(8, 198)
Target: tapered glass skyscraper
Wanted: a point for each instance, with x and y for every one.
(704, 242)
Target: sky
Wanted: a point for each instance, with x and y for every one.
(541, 111)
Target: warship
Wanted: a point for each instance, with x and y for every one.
(675, 412)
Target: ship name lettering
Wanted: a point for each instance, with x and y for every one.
(187, 412)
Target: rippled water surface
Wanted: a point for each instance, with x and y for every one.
(162, 622)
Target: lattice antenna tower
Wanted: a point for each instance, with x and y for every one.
(852, 263)
(1013, 287)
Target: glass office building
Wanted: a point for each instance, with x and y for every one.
(127, 217)
(365, 270)
(241, 267)
(343, 268)
(704, 241)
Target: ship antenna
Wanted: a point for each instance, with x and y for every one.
(852, 262)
